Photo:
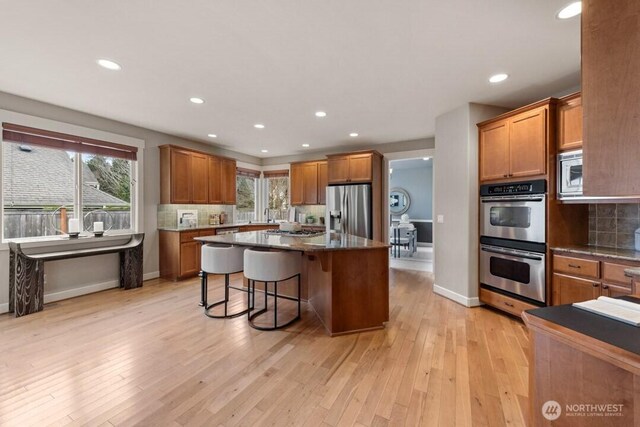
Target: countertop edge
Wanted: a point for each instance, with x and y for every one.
(598, 252)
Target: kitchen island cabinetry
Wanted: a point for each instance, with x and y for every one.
(515, 145)
(192, 177)
(345, 278)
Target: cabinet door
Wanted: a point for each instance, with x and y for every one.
(199, 179)
(570, 124)
(360, 169)
(322, 183)
(567, 289)
(610, 86)
(215, 180)
(528, 143)
(338, 170)
(310, 179)
(296, 183)
(180, 176)
(494, 151)
(609, 290)
(229, 181)
(189, 259)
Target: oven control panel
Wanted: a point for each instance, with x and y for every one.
(513, 188)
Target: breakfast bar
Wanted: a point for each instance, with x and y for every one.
(345, 278)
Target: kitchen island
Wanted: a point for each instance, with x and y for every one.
(584, 368)
(345, 278)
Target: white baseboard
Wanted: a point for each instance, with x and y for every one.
(152, 275)
(460, 299)
(4, 308)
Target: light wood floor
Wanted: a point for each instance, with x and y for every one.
(150, 357)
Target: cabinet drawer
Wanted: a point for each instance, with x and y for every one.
(205, 233)
(576, 266)
(505, 303)
(614, 273)
(188, 236)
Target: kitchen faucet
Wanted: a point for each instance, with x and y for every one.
(266, 212)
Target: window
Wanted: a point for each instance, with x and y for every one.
(246, 180)
(49, 178)
(277, 193)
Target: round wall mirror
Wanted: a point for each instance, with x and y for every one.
(399, 201)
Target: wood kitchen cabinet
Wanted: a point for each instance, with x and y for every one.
(323, 181)
(305, 183)
(610, 86)
(579, 278)
(515, 144)
(353, 168)
(192, 177)
(180, 254)
(570, 122)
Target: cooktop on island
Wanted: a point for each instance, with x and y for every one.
(301, 233)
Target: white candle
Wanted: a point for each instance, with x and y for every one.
(98, 227)
(74, 225)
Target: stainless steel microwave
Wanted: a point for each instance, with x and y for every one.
(570, 174)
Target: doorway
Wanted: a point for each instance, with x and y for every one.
(410, 196)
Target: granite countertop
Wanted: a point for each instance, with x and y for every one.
(209, 227)
(324, 242)
(621, 254)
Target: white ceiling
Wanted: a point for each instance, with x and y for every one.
(382, 68)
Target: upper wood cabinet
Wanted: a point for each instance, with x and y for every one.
(192, 177)
(570, 122)
(304, 183)
(515, 144)
(610, 87)
(228, 181)
(352, 168)
(323, 181)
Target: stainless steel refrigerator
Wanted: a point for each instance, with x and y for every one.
(349, 210)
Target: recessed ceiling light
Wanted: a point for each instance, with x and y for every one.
(258, 126)
(426, 158)
(109, 65)
(196, 100)
(264, 151)
(497, 78)
(305, 145)
(571, 10)
(212, 135)
(353, 134)
(321, 114)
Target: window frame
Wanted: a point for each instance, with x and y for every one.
(137, 168)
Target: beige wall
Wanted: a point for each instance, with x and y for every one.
(456, 198)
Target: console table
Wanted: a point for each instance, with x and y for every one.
(26, 270)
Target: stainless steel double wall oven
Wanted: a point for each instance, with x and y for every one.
(513, 218)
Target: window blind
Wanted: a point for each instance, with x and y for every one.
(79, 144)
(283, 173)
(248, 173)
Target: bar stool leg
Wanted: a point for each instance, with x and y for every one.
(203, 300)
(275, 305)
(226, 293)
(299, 296)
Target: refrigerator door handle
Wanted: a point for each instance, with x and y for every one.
(345, 213)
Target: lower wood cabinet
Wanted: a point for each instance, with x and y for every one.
(582, 278)
(505, 303)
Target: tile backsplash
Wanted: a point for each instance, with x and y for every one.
(614, 225)
(168, 214)
(315, 210)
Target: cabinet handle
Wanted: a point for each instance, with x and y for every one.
(508, 304)
(510, 174)
(505, 176)
(575, 266)
(595, 285)
(605, 286)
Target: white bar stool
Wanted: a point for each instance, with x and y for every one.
(261, 266)
(217, 259)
